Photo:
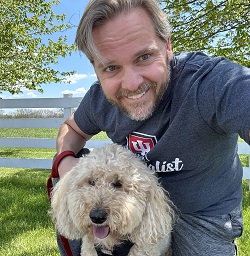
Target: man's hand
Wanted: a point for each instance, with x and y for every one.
(66, 164)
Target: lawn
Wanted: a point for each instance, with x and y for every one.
(25, 226)
(33, 133)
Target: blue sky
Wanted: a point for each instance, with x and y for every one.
(85, 75)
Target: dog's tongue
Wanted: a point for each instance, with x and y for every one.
(100, 231)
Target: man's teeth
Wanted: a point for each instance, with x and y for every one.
(136, 96)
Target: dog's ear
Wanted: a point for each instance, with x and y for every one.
(158, 216)
(60, 209)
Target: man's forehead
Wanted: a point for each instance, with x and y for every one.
(123, 30)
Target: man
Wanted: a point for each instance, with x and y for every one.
(181, 114)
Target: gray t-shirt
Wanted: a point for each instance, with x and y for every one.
(191, 138)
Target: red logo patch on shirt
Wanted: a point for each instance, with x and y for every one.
(141, 143)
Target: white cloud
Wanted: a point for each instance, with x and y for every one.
(93, 75)
(79, 91)
(77, 77)
(31, 94)
(26, 93)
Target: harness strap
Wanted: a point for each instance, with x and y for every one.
(66, 246)
(55, 175)
(120, 250)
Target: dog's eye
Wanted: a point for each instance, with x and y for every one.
(91, 182)
(117, 184)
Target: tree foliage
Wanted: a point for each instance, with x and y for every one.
(25, 56)
(218, 27)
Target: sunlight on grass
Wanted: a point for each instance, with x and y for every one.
(244, 241)
(27, 152)
(32, 243)
(26, 228)
(28, 132)
(37, 133)
(47, 153)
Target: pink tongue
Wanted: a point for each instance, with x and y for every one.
(100, 231)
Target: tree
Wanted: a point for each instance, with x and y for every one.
(218, 27)
(25, 56)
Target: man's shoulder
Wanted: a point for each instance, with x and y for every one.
(95, 88)
(197, 59)
(95, 95)
(96, 101)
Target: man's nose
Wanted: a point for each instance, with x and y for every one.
(131, 79)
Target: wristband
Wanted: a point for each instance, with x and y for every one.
(58, 159)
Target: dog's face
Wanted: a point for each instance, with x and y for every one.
(110, 201)
(106, 192)
(107, 196)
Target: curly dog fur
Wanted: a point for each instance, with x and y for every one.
(109, 197)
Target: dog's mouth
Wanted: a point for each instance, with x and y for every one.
(101, 231)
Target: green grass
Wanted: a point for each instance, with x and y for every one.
(36, 133)
(25, 226)
(244, 241)
(28, 133)
(33, 133)
(27, 152)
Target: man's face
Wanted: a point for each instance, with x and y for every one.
(134, 71)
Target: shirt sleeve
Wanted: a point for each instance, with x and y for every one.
(84, 114)
(224, 100)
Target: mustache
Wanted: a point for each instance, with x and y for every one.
(141, 89)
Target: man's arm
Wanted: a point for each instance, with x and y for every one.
(70, 137)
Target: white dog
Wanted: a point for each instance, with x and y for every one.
(111, 197)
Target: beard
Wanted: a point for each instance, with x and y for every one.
(144, 109)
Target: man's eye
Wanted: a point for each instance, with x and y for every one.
(110, 68)
(144, 56)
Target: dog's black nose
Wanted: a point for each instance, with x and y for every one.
(98, 215)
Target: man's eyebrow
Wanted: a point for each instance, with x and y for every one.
(149, 49)
(106, 63)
